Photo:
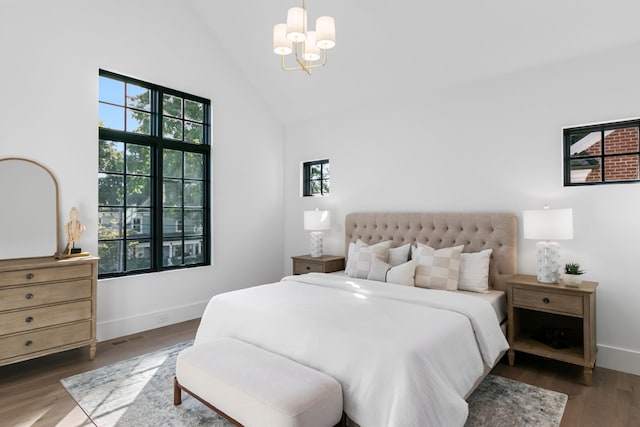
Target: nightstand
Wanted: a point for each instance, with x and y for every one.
(325, 264)
(553, 321)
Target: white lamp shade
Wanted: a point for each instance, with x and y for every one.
(548, 224)
(281, 44)
(296, 24)
(311, 50)
(317, 220)
(325, 32)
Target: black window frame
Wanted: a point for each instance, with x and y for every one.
(157, 143)
(600, 158)
(307, 180)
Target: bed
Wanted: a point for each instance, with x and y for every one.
(404, 355)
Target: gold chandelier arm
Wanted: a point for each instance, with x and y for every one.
(303, 65)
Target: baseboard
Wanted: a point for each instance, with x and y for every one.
(619, 359)
(131, 325)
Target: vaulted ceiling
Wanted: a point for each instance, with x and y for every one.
(389, 48)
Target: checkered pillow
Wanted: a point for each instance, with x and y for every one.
(361, 255)
(438, 269)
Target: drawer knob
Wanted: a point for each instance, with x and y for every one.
(29, 319)
(545, 300)
(308, 267)
(29, 295)
(30, 276)
(28, 343)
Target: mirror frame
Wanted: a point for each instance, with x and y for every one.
(56, 254)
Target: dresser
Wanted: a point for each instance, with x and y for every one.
(47, 305)
(553, 321)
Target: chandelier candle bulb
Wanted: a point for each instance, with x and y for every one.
(297, 24)
(311, 50)
(325, 32)
(281, 45)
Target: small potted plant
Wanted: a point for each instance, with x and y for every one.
(572, 273)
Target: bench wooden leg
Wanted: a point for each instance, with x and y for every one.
(177, 392)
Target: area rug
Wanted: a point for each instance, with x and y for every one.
(139, 392)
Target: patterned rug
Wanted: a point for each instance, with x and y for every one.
(139, 392)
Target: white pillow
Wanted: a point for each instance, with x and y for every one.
(474, 271)
(361, 255)
(402, 274)
(438, 269)
(399, 255)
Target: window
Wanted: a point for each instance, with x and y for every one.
(315, 178)
(602, 153)
(153, 179)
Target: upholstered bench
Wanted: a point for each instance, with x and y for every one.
(254, 387)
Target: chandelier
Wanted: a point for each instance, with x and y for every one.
(306, 45)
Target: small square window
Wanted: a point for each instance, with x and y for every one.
(315, 178)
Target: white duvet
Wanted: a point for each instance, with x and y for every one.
(404, 356)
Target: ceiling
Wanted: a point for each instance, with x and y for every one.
(388, 48)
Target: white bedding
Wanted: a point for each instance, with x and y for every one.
(401, 357)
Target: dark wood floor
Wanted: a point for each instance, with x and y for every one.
(31, 395)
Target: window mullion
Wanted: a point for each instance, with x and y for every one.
(158, 179)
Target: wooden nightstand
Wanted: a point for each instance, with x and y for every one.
(553, 321)
(325, 264)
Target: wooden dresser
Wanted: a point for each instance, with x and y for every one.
(47, 305)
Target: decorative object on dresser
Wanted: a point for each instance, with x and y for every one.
(47, 304)
(73, 229)
(547, 225)
(316, 221)
(553, 321)
(572, 273)
(325, 264)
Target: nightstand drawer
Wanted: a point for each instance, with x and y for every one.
(303, 264)
(548, 301)
(302, 267)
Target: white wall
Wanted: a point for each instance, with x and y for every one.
(51, 53)
(491, 146)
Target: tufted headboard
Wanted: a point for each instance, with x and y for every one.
(476, 231)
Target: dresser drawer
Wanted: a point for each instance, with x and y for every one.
(39, 275)
(34, 318)
(302, 267)
(43, 339)
(548, 301)
(31, 296)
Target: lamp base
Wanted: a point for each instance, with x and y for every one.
(316, 244)
(548, 262)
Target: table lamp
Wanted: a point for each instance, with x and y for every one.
(316, 221)
(547, 225)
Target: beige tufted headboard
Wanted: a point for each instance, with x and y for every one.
(476, 231)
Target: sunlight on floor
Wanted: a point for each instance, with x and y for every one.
(76, 417)
(112, 402)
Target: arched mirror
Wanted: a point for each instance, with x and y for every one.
(28, 210)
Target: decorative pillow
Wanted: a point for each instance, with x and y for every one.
(417, 250)
(399, 255)
(474, 271)
(361, 255)
(438, 269)
(402, 274)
